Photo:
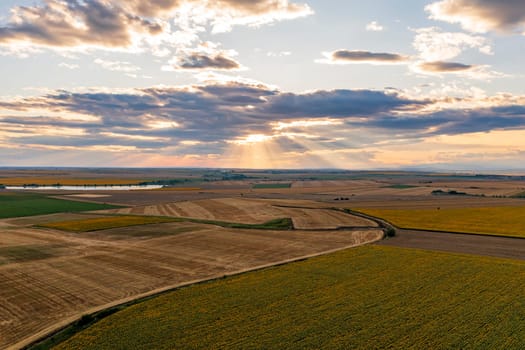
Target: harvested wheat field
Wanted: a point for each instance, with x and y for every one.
(49, 278)
(304, 214)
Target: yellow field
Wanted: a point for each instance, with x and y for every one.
(94, 224)
(47, 181)
(503, 221)
(366, 298)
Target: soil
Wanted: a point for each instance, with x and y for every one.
(48, 277)
(502, 247)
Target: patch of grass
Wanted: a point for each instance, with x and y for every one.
(29, 204)
(371, 297)
(519, 195)
(449, 193)
(272, 185)
(108, 222)
(400, 186)
(84, 322)
(503, 221)
(275, 224)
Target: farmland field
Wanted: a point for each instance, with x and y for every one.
(49, 277)
(28, 204)
(304, 214)
(104, 223)
(365, 298)
(271, 185)
(504, 221)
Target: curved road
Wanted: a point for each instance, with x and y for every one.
(502, 247)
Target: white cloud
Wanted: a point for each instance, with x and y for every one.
(374, 27)
(158, 27)
(69, 65)
(278, 54)
(118, 66)
(432, 44)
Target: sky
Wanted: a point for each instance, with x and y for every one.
(379, 84)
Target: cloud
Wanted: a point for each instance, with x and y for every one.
(227, 13)
(198, 61)
(480, 72)
(203, 122)
(117, 66)
(481, 15)
(335, 103)
(131, 24)
(444, 67)
(68, 65)
(204, 113)
(432, 44)
(374, 27)
(206, 56)
(278, 54)
(356, 56)
(75, 23)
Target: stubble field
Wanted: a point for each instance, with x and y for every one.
(305, 215)
(50, 277)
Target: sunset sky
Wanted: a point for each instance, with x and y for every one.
(379, 84)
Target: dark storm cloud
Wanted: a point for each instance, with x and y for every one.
(444, 67)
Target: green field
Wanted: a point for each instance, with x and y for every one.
(29, 204)
(364, 298)
(104, 223)
(401, 186)
(273, 185)
(502, 221)
(275, 224)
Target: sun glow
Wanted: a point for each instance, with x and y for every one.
(253, 138)
(305, 124)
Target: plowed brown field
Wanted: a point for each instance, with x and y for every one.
(50, 277)
(306, 215)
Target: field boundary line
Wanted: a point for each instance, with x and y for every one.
(460, 233)
(48, 332)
